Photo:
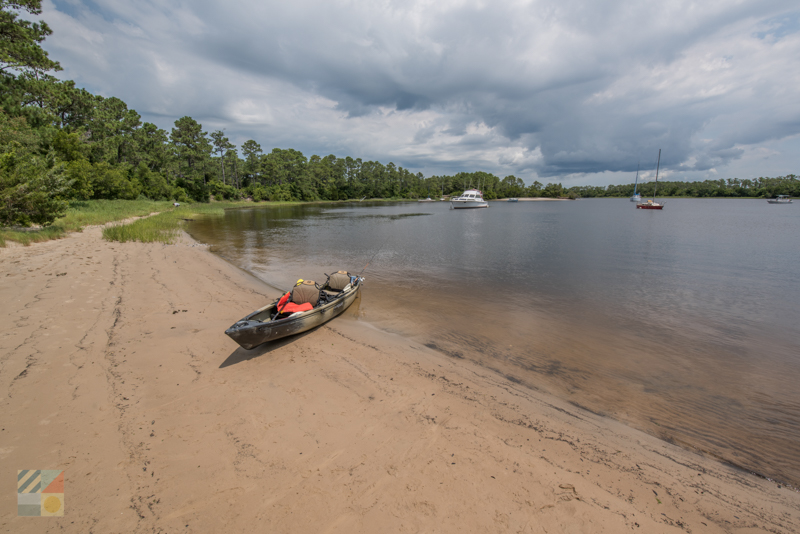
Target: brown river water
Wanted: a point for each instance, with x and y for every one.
(684, 323)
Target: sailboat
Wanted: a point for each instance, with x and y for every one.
(429, 199)
(652, 204)
(636, 196)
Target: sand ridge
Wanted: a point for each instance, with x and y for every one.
(115, 369)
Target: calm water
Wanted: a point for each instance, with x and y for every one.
(683, 323)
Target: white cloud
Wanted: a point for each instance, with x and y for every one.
(559, 90)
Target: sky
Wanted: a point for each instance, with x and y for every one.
(575, 92)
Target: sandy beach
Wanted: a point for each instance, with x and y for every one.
(115, 369)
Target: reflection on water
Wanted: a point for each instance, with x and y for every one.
(681, 322)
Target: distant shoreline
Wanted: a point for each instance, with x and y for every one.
(531, 199)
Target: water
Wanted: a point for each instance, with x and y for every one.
(683, 322)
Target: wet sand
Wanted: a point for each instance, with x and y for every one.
(116, 370)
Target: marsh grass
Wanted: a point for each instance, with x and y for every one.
(81, 214)
(94, 212)
(163, 227)
(166, 226)
(26, 237)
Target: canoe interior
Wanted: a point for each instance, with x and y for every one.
(264, 315)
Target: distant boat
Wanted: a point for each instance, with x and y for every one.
(429, 199)
(636, 196)
(471, 198)
(652, 204)
(780, 199)
(512, 199)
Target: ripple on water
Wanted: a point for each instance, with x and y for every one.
(682, 323)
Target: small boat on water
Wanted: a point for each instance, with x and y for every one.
(636, 196)
(306, 306)
(429, 199)
(471, 198)
(652, 204)
(780, 199)
(512, 199)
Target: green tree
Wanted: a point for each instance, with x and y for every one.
(111, 131)
(553, 191)
(283, 166)
(221, 147)
(511, 186)
(110, 182)
(231, 159)
(21, 54)
(20, 40)
(535, 190)
(154, 185)
(252, 152)
(44, 100)
(16, 134)
(151, 147)
(69, 146)
(32, 190)
(192, 150)
(80, 175)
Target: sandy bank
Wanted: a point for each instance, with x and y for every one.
(115, 369)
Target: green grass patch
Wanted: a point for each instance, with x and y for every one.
(165, 227)
(81, 214)
(26, 237)
(94, 212)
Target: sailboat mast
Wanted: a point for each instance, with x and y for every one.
(636, 183)
(658, 165)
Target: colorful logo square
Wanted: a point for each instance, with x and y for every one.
(40, 492)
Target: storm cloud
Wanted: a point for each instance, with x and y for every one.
(555, 90)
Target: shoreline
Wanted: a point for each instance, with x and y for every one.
(117, 371)
(531, 199)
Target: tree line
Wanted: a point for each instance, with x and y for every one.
(729, 188)
(59, 143)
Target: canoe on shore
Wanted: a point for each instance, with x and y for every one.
(266, 324)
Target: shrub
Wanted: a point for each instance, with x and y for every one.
(31, 191)
(154, 185)
(179, 195)
(280, 193)
(79, 173)
(222, 191)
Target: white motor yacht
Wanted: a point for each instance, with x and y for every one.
(781, 199)
(471, 198)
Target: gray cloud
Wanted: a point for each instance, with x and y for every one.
(562, 90)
